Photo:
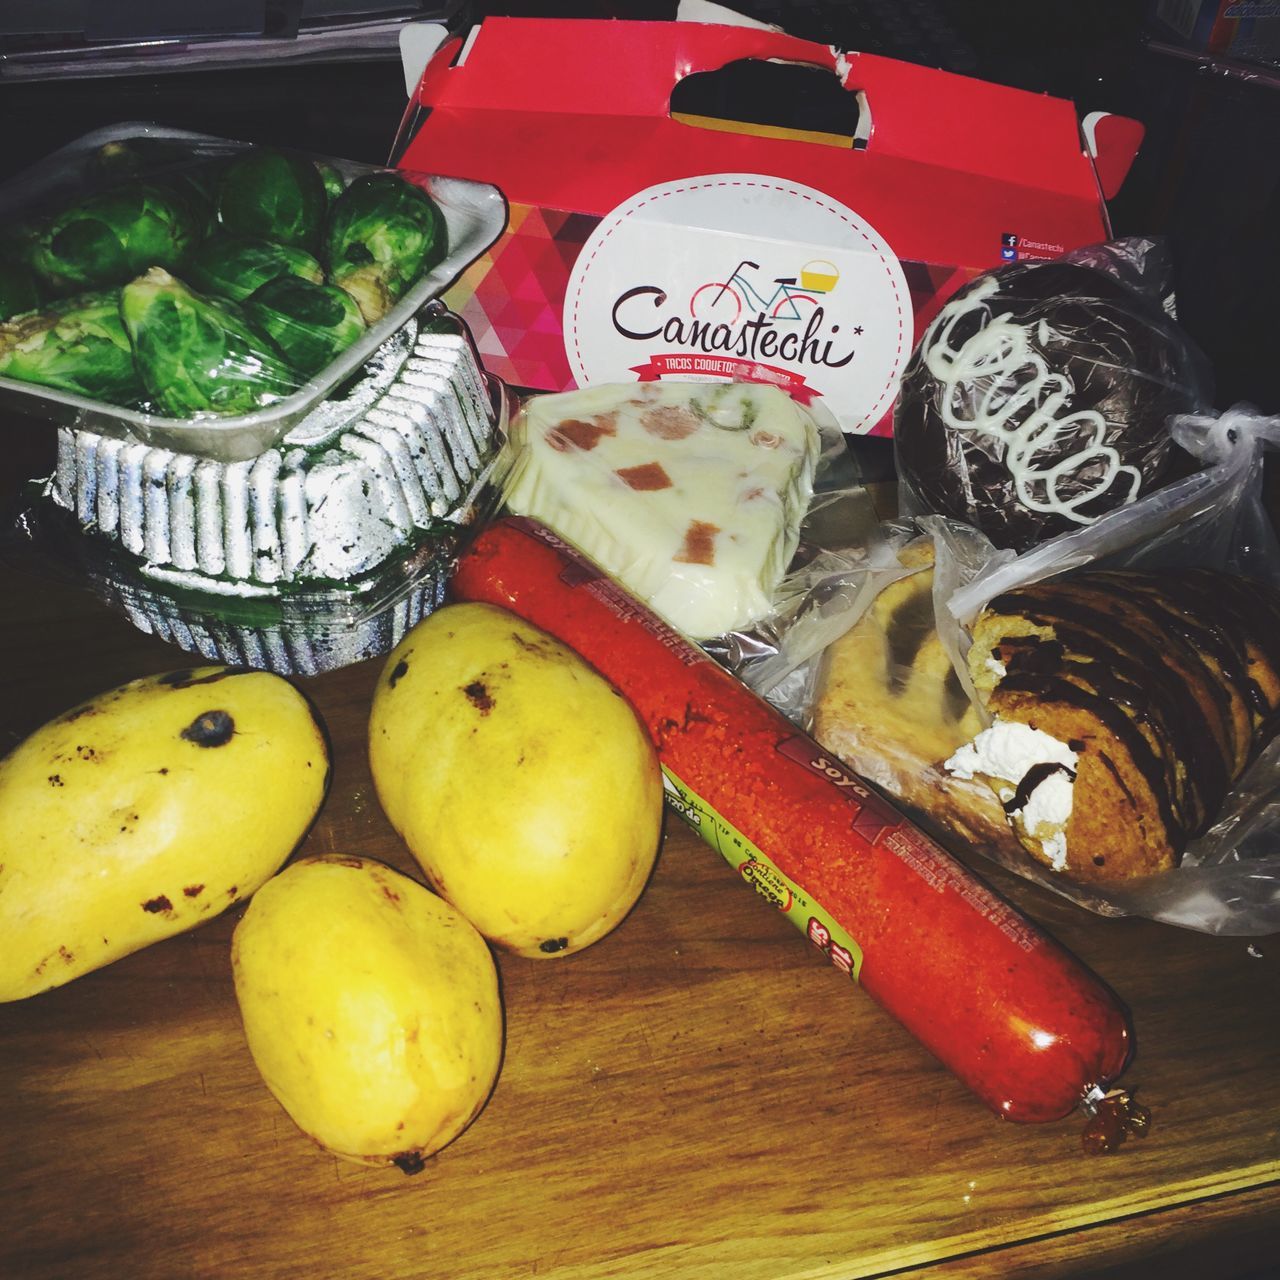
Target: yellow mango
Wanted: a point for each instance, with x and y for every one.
(371, 1008)
(144, 812)
(522, 781)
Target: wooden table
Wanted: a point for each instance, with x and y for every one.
(699, 1095)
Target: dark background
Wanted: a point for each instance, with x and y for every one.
(1207, 178)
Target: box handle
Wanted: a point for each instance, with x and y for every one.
(794, 100)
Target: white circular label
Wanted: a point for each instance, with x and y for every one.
(739, 275)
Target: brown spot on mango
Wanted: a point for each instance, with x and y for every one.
(187, 678)
(478, 695)
(530, 644)
(210, 729)
(398, 672)
(157, 904)
(193, 890)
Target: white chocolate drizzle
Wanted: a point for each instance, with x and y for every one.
(1011, 396)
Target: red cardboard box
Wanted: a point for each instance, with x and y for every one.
(644, 245)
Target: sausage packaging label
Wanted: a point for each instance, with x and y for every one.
(755, 867)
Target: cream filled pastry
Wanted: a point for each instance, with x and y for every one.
(1125, 707)
(890, 705)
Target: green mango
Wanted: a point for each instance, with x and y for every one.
(384, 234)
(197, 356)
(75, 344)
(273, 196)
(310, 323)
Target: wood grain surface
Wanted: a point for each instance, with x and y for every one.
(699, 1095)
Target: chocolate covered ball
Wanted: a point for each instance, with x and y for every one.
(1038, 400)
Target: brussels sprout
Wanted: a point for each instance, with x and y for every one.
(310, 323)
(197, 356)
(234, 266)
(334, 184)
(76, 344)
(116, 159)
(197, 184)
(384, 232)
(273, 196)
(168, 166)
(109, 237)
(18, 289)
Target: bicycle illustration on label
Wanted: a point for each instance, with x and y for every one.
(791, 299)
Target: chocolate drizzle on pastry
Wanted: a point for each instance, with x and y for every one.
(1166, 686)
(1034, 776)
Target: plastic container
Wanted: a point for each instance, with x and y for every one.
(319, 552)
(474, 215)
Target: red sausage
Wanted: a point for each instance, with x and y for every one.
(1012, 1013)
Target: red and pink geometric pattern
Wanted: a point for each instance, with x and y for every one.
(512, 298)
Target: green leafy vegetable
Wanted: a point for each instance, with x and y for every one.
(273, 196)
(76, 344)
(310, 323)
(107, 238)
(384, 233)
(331, 177)
(197, 356)
(235, 266)
(197, 184)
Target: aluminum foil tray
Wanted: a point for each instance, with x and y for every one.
(474, 213)
(317, 553)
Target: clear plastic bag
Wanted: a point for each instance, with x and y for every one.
(1228, 881)
(1037, 399)
(205, 294)
(1229, 878)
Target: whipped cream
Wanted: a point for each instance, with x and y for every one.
(1005, 754)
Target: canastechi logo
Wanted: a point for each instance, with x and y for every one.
(743, 316)
(745, 277)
